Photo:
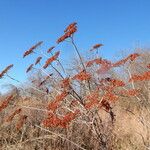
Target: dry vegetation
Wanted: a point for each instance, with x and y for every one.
(96, 104)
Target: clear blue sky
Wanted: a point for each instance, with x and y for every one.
(118, 24)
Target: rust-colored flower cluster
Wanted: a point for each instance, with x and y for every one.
(65, 83)
(143, 77)
(5, 70)
(105, 66)
(6, 102)
(93, 99)
(68, 118)
(131, 57)
(115, 82)
(91, 62)
(83, 75)
(70, 30)
(148, 66)
(51, 59)
(55, 104)
(28, 52)
(119, 63)
(53, 121)
(96, 46)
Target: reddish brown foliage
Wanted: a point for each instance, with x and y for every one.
(5, 70)
(51, 59)
(28, 52)
(148, 66)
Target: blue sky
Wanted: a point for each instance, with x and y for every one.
(118, 24)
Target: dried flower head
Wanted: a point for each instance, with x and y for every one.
(55, 104)
(110, 96)
(51, 121)
(119, 63)
(91, 62)
(68, 118)
(29, 68)
(46, 78)
(105, 66)
(65, 83)
(51, 59)
(38, 60)
(31, 50)
(50, 49)
(93, 99)
(96, 46)
(132, 57)
(83, 75)
(5, 70)
(69, 31)
(116, 82)
(70, 26)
